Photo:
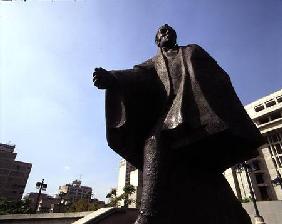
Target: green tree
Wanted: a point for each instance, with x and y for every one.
(114, 200)
(112, 193)
(14, 207)
(82, 205)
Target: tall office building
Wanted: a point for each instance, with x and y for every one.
(128, 174)
(13, 174)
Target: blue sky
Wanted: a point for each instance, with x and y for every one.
(49, 49)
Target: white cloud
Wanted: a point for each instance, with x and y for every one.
(67, 168)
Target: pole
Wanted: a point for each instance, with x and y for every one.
(278, 178)
(272, 151)
(258, 218)
(39, 194)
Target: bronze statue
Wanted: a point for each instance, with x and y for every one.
(177, 118)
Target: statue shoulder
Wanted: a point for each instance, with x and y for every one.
(193, 47)
(146, 64)
(198, 52)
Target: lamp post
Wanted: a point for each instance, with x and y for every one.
(278, 180)
(258, 218)
(42, 187)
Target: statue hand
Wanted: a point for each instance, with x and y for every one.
(103, 79)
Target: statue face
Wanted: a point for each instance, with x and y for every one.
(166, 37)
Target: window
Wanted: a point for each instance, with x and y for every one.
(270, 151)
(277, 160)
(274, 162)
(278, 148)
(259, 178)
(275, 115)
(255, 165)
(263, 120)
(279, 99)
(259, 107)
(263, 193)
(270, 103)
(274, 138)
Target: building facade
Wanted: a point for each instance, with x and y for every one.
(46, 202)
(266, 113)
(13, 174)
(75, 191)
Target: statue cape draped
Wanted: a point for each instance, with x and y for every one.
(205, 106)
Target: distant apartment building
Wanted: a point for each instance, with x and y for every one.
(46, 202)
(75, 191)
(13, 174)
(266, 113)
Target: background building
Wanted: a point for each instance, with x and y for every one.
(13, 174)
(128, 174)
(46, 202)
(266, 113)
(74, 191)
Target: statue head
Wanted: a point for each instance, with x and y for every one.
(166, 37)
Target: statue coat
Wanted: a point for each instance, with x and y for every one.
(203, 109)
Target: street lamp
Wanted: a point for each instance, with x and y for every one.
(278, 180)
(258, 218)
(42, 187)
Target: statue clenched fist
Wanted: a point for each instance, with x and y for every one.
(103, 79)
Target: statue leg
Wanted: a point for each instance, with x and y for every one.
(174, 191)
(153, 200)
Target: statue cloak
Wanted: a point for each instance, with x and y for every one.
(205, 107)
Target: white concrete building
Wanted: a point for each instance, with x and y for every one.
(128, 174)
(267, 115)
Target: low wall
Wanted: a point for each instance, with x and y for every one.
(112, 216)
(46, 218)
(101, 216)
(270, 210)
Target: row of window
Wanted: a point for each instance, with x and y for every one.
(268, 103)
(271, 117)
(259, 177)
(80, 191)
(275, 148)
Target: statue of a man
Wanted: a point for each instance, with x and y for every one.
(177, 118)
